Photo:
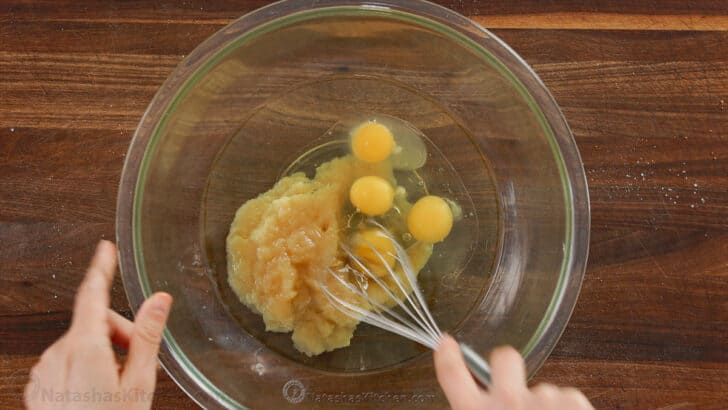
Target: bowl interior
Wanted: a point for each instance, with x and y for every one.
(254, 100)
(283, 128)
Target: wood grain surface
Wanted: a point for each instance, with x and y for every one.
(644, 86)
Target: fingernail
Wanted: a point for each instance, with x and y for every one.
(161, 302)
(103, 244)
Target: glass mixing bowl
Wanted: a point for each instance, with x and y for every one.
(263, 91)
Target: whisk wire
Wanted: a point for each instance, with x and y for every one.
(378, 307)
(378, 321)
(426, 325)
(405, 263)
(416, 317)
(419, 302)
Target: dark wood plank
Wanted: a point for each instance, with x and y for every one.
(605, 21)
(49, 175)
(632, 384)
(78, 91)
(652, 295)
(191, 12)
(43, 263)
(527, 7)
(102, 37)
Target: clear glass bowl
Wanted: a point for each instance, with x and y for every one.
(261, 92)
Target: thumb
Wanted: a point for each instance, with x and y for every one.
(140, 370)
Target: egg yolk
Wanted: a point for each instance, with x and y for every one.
(372, 142)
(366, 245)
(430, 219)
(371, 195)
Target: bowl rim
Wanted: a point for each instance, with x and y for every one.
(265, 19)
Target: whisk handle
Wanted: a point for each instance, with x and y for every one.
(478, 367)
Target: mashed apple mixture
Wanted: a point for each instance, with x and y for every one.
(282, 243)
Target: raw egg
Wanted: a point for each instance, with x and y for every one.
(371, 195)
(430, 219)
(366, 245)
(372, 142)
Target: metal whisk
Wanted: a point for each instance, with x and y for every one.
(414, 320)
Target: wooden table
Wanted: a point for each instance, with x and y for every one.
(644, 86)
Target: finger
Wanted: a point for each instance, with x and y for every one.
(545, 396)
(120, 329)
(48, 375)
(140, 370)
(92, 298)
(454, 377)
(575, 399)
(509, 371)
